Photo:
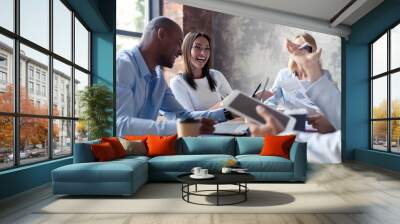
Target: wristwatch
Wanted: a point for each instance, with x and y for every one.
(228, 114)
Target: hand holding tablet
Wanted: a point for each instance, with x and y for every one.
(245, 106)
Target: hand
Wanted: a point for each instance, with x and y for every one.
(320, 123)
(206, 126)
(217, 106)
(263, 95)
(271, 127)
(309, 62)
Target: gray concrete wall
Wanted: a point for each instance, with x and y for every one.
(247, 50)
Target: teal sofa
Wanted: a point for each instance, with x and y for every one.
(125, 176)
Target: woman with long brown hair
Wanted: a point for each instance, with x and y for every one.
(199, 87)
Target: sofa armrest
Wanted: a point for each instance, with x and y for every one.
(298, 155)
(83, 152)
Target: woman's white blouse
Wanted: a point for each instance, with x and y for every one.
(201, 98)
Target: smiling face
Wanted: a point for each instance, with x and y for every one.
(200, 53)
(171, 47)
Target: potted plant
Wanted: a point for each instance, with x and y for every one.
(96, 102)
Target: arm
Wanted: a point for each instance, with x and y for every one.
(128, 109)
(181, 93)
(224, 88)
(324, 93)
(174, 110)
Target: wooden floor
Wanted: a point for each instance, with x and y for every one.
(377, 188)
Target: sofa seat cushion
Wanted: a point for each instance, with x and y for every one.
(112, 171)
(257, 163)
(185, 163)
(205, 145)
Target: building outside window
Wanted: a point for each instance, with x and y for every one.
(55, 128)
(130, 25)
(385, 92)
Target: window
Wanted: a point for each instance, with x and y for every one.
(7, 14)
(130, 25)
(3, 61)
(41, 22)
(37, 74)
(385, 94)
(38, 89)
(44, 91)
(3, 72)
(3, 78)
(30, 87)
(30, 72)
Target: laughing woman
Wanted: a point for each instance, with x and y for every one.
(199, 87)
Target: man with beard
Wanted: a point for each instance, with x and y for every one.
(142, 92)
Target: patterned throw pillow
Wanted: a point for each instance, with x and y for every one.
(134, 147)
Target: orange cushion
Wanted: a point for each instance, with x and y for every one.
(116, 145)
(161, 145)
(103, 151)
(136, 137)
(277, 145)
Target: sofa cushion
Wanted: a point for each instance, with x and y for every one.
(185, 163)
(116, 145)
(161, 145)
(112, 171)
(206, 145)
(277, 145)
(103, 152)
(134, 147)
(249, 145)
(136, 137)
(83, 152)
(257, 163)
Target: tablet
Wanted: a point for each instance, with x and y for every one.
(245, 106)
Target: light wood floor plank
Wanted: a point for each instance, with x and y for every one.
(377, 191)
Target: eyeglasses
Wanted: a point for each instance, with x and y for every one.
(198, 48)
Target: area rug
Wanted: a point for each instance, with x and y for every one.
(167, 198)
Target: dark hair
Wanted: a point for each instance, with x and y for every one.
(186, 49)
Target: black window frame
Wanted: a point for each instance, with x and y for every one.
(16, 115)
(388, 74)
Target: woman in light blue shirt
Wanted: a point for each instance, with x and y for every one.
(319, 88)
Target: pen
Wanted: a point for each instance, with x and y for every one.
(254, 94)
(265, 86)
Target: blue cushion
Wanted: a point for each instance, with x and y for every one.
(257, 163)
(83, 153)
(111, 171)
(185, 163)
(206, 145)
(249, 145)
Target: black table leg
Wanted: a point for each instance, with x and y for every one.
(245, 193)
(217, 194)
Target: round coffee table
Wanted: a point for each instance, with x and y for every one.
(238, 179)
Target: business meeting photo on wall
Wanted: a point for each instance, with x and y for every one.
(293, 71)
(199, 111)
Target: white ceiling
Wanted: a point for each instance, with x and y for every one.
(320, 9)
(313, 15)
